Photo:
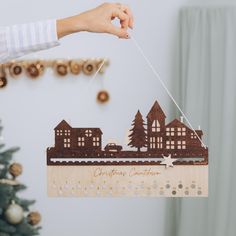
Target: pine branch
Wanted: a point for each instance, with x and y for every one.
(24, 203)
(6, 194)
(26, 229)
(10, 151)
(6, 228)
(19, 187)
(4, 234)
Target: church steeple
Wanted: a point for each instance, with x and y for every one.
(156, 112)
(155, 128)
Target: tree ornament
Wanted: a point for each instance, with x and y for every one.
(34, 218)
(61, 68)
(14, 213)
(15, 70)
(103, 96)
(34, 70)
(75, 67)
(89, 67)
(15, 169)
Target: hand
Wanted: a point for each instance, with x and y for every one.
(99, 20)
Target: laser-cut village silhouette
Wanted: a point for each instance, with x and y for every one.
(150, 141)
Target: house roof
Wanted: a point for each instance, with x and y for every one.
(178, 123)
(62, 125)
(94, 130)
(156, 112)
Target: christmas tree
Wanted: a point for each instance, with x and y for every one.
(138, 137)
(15, 218)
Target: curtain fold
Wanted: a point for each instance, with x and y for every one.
(207, 92)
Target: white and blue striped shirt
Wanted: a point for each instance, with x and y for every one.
(19, 40)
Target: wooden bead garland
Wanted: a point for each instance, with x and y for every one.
(35, 68)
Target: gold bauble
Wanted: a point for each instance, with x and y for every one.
(15, 169)
(34, 218)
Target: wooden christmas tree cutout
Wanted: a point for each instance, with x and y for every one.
(151, 141)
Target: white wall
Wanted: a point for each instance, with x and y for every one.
(30, 110)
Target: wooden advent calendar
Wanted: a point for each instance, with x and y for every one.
(164, 159)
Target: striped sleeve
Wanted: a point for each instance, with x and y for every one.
(20, 40)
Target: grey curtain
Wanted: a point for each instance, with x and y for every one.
(206, 85)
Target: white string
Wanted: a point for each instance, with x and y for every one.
(164, 86)
(94, 77)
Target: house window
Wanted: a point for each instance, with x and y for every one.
(193, 136)
(170, 131)
(181, 131)
(59, 132)
(152, 142)
(170, 144)
(159, 142)
(67, 132)
(181, 144)
(167, 131)
(156, 126)
(96, 141)
(81, 142)
(88, 133)
(66, 143)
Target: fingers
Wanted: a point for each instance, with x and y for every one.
(129, 22)
(119, 32)
(127, 10)
(124, 18)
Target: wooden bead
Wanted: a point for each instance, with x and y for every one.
(34, 70)
(15, 70)
(103, 96)
(3, 82)
(61, 68)
(89, 67)
(75, 67)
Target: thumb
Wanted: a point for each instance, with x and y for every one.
(119, 32)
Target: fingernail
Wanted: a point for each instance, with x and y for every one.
(127, 36)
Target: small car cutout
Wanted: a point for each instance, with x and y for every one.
(112, 147)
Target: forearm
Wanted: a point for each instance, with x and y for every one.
(19, 40)
(69, 26)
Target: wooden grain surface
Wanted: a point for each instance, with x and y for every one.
(127, 181)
